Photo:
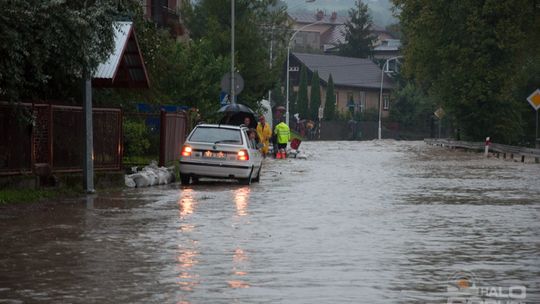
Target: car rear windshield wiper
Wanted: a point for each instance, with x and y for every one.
(226, 141)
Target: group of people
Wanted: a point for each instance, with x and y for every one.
(262, 135)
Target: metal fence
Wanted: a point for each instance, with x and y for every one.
(174, 128)
(33, 134)
(15, 139)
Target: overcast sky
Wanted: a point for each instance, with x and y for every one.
(379, 9)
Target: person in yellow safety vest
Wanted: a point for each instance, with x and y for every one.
(283, 135)
(265, 133)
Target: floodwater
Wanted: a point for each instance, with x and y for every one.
(357, 222)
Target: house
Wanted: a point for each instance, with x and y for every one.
(329, 32)
(166, 14)
(388, 48)
(321, 36)
(357, 81)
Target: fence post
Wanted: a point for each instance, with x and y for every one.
(162, 137)
(88, 161)
(486, 149)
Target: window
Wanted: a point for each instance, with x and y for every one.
(350, 101)
(215, 135)
(362, 102)
(386, 102)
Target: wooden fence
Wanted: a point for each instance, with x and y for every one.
(498, 150)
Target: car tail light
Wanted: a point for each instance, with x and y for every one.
(242, 155)
(186, 151)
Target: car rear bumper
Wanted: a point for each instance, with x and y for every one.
(215, 170)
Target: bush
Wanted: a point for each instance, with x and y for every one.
(136, 138)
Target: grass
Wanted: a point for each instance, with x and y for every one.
(13, 196)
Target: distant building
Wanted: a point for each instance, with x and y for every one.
(357, 81)
(318, 37)
(166, 14)
(327, 35)
(387, 48)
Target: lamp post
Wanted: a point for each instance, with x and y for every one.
(380, 96)
(288, 62)
(233, 93)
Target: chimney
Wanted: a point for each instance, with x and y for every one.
(319, 15)
(333, 17)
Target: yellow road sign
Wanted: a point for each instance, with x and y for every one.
(534, 99)
(439, 113)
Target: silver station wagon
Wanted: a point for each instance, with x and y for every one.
(220, 151)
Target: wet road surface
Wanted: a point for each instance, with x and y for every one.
(357, 222)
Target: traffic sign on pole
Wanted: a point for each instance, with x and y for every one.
(226, 83)
(534, 99)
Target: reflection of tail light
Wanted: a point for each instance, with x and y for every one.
(242, 155)
(186, 151)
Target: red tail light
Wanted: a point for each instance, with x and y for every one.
(242, 155)
(186, 151)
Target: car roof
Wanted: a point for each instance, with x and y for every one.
(221, 126)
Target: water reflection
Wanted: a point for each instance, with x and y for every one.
(186, 203)
(187, 257)
(240, 260)
(241, 199)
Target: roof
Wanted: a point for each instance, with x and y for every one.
(346, 71)
(389, 45)
(125, 65)
(334, 36)
(303, 17)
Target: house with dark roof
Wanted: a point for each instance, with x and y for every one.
(357, 81)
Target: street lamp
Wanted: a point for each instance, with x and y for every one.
(380, 96)
(288, 54)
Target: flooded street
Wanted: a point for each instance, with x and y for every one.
(357, 222)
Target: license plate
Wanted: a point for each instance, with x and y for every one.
(211, 154)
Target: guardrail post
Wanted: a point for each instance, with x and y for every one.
(486, 149)
(537, 159)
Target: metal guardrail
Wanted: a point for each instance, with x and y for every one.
(498, 149)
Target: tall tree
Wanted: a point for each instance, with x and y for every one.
(256, 23)
(466, 55)
(302, 97)
(315, 98)
(46, 45)
(330, 100)
(358, 33)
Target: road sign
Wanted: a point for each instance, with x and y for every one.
(534, 99)
(226, 83)
(439, 113)
(321, 112)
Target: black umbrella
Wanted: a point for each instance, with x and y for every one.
(235, 114)
(235, 108)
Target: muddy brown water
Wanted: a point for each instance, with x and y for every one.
(357, 222)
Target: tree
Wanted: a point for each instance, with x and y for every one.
(46, 45)
(256, 23)
(467, 55)
(358, 36)
(302, 97)
(315, 98)
(330, 101)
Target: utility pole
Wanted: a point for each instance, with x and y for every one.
(233, 93)
(88, 162)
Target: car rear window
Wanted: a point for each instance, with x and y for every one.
(216, 135)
